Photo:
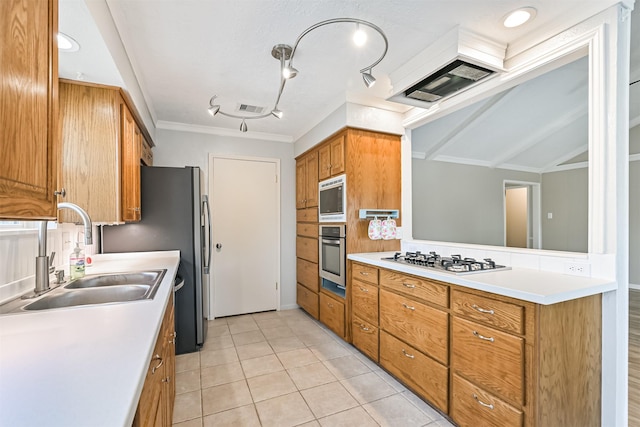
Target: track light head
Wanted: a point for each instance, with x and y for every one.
(368, 78)
(243, 126)
(213, 108)
(289, 72)
(277, 113)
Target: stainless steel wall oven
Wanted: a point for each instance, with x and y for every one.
(332, 253)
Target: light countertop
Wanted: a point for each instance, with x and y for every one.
(525, 284)
(83, 366)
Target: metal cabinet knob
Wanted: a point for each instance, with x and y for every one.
(218, 246)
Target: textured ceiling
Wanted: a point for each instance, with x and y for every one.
(185, 51)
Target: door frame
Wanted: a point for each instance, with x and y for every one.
(275, 161)
(535, 222)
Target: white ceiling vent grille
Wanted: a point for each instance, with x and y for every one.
(246, 108)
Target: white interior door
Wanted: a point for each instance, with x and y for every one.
(245, 202)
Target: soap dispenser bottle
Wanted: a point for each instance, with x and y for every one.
(76, 262)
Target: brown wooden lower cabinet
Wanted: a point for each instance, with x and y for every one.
(307, 300)
(155, 407)
(471, 406)
(332, 314)
(424, 375)
(481, 358)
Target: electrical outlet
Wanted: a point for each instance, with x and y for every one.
(577, 268)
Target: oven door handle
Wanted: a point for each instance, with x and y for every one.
(332, 242)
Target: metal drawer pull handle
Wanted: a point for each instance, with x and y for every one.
(166, 380)
(486, 405)
(364, 328)
(364, 289)
(409, 285)
(408, 306)
(155, 368)
(482, 337)
(410, 356)
(330, 305)
(482, 310)
(364, 273)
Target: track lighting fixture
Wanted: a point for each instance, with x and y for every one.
(213, 109)
(368, 78)
(284, 53)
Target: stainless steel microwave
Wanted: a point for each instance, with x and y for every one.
(332, 199)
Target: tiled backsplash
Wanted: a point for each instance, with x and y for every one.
(18, 251)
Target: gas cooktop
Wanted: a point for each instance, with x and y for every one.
(454, 264)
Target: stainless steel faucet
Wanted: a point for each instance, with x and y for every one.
(43, 264)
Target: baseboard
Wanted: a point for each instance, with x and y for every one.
(292, 306)
(634, 286)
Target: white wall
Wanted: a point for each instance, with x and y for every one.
(176, 148)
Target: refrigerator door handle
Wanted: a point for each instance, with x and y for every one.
(205, 202)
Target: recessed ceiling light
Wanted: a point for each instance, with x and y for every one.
(67, 44)
(519, 17)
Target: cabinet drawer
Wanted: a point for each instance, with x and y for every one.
(492, 359)
(307, 300)
(307, 215)
(307, 274)
(503, 315)
(472, 407)
(364, 301)
(428, 290)
(307, 230)
(365, 337)
(424, 327)
(423, 374)
(307, 248)
(332, 314)
(364, 273)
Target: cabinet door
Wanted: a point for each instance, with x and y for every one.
(89, 118)
(332, 314)
(324, 163)
(301, 184)
(337, 155)
(312, 179)
(130, 180)
(28, 107)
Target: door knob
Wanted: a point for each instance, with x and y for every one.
(218, 246)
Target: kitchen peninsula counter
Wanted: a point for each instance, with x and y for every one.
(83, 365)
(535, 286)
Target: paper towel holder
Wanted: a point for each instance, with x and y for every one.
(378, 213)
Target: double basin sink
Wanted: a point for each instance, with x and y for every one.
(102, 289)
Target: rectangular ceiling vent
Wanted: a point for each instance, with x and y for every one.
(459, 60)
(246, 108)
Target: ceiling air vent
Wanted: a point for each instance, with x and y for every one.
(459, 60)
(245, 108)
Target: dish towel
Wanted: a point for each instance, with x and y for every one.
(389, 231)
(375, 229)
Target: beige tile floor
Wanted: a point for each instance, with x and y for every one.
(286, 369)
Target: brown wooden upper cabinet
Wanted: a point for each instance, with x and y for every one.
(307, 181)
(331, 157)
(101, 148)
(28, 107)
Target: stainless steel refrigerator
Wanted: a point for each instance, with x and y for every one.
(175, 215)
